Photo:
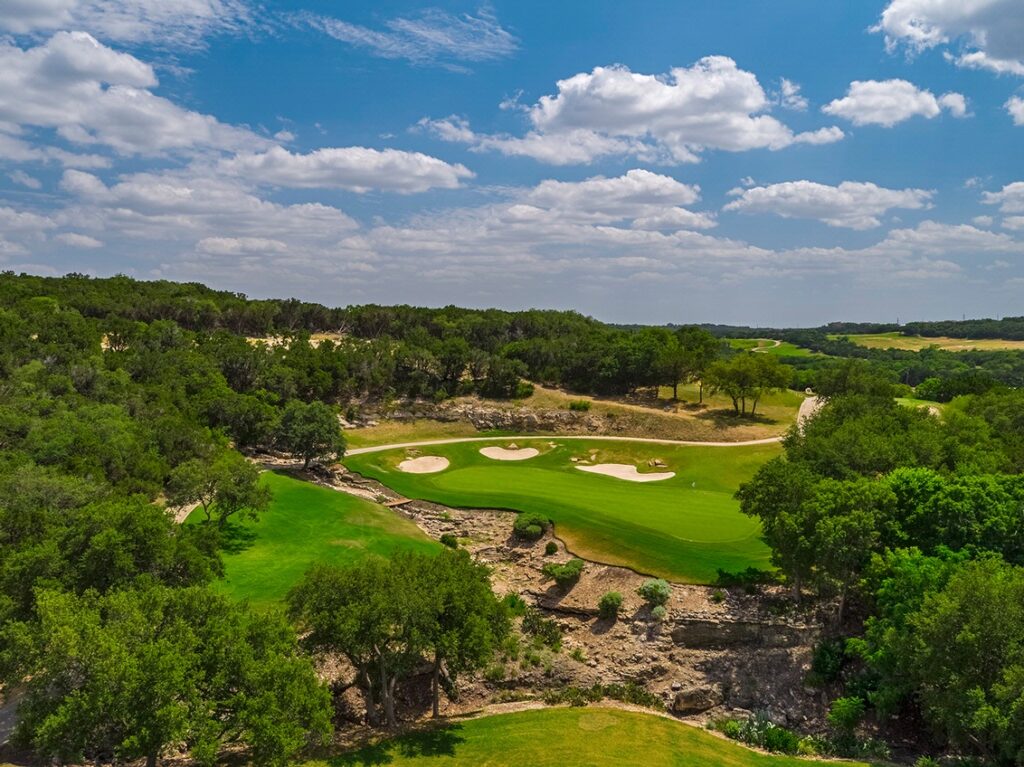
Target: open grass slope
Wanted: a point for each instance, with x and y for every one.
(563, 737)
(685, 528)
(307, 524)
(896, 340)
(769, 346)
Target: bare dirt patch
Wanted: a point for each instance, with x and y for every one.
(424, 464)
(627, 472)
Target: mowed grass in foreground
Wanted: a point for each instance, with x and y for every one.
(563, 737)
(307, 524)
(897, 340)
(685, 528)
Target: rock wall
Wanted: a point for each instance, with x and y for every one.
(703, 634)
(488, 417)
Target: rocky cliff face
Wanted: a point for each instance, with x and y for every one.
(490, 417)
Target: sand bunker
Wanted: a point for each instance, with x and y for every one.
(425, 464)
(509, 454)
(626, 471)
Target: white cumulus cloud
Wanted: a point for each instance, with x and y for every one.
(673, 117)
(1015, 108)
(990, 33)
(93, 95)
(888, 102)
(356, 169)
(851, 204)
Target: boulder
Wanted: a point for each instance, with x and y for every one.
(696, 699)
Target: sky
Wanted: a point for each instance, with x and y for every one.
(730, 161)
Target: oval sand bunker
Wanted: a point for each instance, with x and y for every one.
(505, 454)
(626, 471)
(425, 464)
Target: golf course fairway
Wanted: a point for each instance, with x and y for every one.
(686, 528)
(555, 737)
(307, 524)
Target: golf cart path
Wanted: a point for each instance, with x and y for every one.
(762, 349)
(807, 409)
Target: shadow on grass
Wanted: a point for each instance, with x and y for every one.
(436, 741)
(236, 538)
(728, 417)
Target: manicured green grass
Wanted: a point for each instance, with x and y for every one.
(563, 737)
(307, 524)
(685, 528)
(767, 346)
(912, 402)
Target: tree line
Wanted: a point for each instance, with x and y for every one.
(913, 527)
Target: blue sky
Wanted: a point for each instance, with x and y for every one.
(787, 163)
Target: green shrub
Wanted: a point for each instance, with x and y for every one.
(659, 613)
(827, 661)
(511, 647)
(577, 654)
(524, 389)
(515, 604)
(551, 548)
(731, 728)
(845, 714)
(449, 540)
(530, 525)
(655, 591)
(717, 596)
(580, 405)
(927, 761)
(565, 576)
(761, 731)
(495, 673)
(543, 629)
(608, 605)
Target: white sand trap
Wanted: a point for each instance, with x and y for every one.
(626, 471)
(425, 464)
(506, 454)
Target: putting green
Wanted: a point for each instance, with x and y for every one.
(685, 528)
(557, 737)
(307, 524)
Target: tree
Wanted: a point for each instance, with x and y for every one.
(777, 496)
(963, 653)
(384, 617)
(852, 376)
(226, 486)
(846, 531)
(362, 612)
(467, 621)
(748, 376)
(701, 350)
(311, 431)
(125, 675)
